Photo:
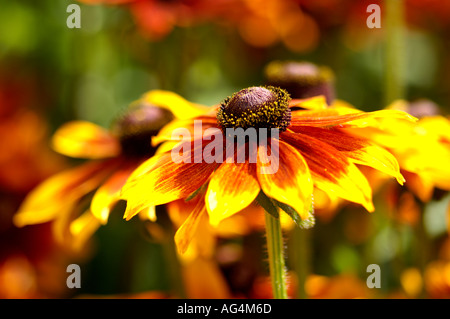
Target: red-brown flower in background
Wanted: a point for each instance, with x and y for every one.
(260, 23)
(25, 161)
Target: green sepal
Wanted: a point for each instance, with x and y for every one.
(194, 193)
(302, 223)
(268, 205)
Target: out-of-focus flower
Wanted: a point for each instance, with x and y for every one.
(262, 288)
(266, 23)
(140, 295)
(422, 150)
(301, 79)
(430, 14)
(17, 279)
(344, 286)
(259, 23)
(313, 151)
(157, 18)
(437, 279)
(412, 282)
(113, 155)
(25, 161)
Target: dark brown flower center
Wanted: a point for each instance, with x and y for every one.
(257, 107)
(138, 125)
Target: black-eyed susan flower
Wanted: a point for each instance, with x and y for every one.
(422, 148)
(113, 155)
(312, 148)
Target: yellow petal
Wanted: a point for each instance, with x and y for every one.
(164, 182)
(108, 194)
(148, 214)
(291, 184)
(85, 140)
(169, 131)
(420, 185)
(232, 187)
(186, 232)
(62, 190)
(82, 229)
(313, 103)
(181, 108)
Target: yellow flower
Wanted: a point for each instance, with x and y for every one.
(313, 150)
(113, 155)
(421, 148)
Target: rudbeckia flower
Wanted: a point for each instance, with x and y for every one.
(421, 148)
(309, 145)
(113, 154)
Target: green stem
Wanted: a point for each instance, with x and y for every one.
(394, 51)
(302, 258)
(276, 257)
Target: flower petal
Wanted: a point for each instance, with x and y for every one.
(181, 108)
(357, 149)
(313, 103)
(82, 229)
(62, 190)
(291, 184)
(168, 131)
(421, 185)
(161, 180)
(186, 232)
(82, 139)
(332, 171)
(108, 194)
(343, 117)
(232, 187)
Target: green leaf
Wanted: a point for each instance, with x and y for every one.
(304, 224)
(267, 204)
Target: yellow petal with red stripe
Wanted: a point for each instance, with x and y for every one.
(232, 187)
(332, 171)
(161, 180)
(60, 191)
(290, 182)
(357, 149)
(344, 118)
